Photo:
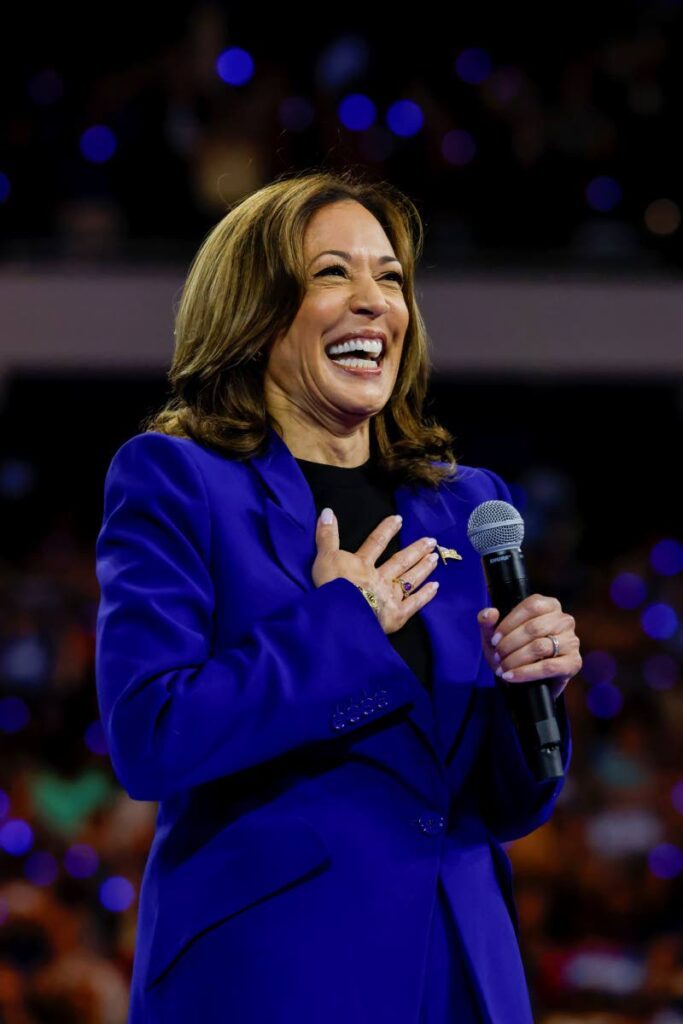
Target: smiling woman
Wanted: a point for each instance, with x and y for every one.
(334, 759)
(305, 263)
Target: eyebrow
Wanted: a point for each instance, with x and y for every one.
(347, 256)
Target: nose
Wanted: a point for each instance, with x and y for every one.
(368, 297)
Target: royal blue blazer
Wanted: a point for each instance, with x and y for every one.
(311, 794)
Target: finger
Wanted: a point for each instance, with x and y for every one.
(534, 629)
(487, 619)
(541, 649)
(376, 541)
(407, 558)
(419, 572)
(547, 668)
(327, 534)
(531, 606)
(420, 598)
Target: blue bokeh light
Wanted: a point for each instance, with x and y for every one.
(4, 803)
(659, 621)
(665, 860)
(603, 193)
(116, 893)
(14, 714)
(628, 590)
(598, 667)
(41, 868)
(98, 144)
(405, 118)
(235, 66)
(473, 65)
(16, 837)
(5, 187)
(458, 147)
(604, 700)
(661, 671)
(357, 112)
(666, 557)
(95, 738)
(81, 861)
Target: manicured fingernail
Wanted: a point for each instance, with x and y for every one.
(326, 516)
(499, 671)
(496, 657)
(508, 675)
(496, 638)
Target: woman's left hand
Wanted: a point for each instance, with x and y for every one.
(519, 650)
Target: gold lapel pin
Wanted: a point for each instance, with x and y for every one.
(448, 553)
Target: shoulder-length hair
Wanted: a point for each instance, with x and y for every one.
(245, 285)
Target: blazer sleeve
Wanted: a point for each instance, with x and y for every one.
(178, 713)
(515, 802)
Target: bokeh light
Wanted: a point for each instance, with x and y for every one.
(604, 700)
(662, 217)
(666, 557)
(98, 144)
(41, 868)
(95, 738)
(659, 621)
(665, 860)
(5, 187)
(14, 714)
(473, 65)
(405, 118)
(628, 590)
(81, 861)
(16, 837)
(603, 194)
(235, 66)
(357, 112)
(117, 893)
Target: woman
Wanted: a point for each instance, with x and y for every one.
(335, 773)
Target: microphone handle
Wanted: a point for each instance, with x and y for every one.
(531, 704)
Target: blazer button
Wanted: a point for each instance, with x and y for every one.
(431, 824)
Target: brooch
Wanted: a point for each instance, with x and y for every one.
(448, 553)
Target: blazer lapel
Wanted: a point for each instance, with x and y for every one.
(291, 521)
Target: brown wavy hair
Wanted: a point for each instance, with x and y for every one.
(245, 285)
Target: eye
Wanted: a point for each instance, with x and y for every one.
(338, 266)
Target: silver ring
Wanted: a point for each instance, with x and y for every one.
(556, 645)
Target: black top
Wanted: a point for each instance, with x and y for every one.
(361, 498)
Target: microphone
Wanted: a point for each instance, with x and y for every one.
(496, 530)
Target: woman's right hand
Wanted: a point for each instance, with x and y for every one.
(412, 564)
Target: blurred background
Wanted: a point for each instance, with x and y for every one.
(543, 152)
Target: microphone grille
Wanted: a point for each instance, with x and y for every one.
(495, 526)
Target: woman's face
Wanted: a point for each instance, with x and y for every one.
(352, 295)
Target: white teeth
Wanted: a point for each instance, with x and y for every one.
(357, 362)
(372, 345)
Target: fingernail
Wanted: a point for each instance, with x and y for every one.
(496, 638)
(326, 516)
(496, 657)
(399, 519)
(508, 675)
(499, 671)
